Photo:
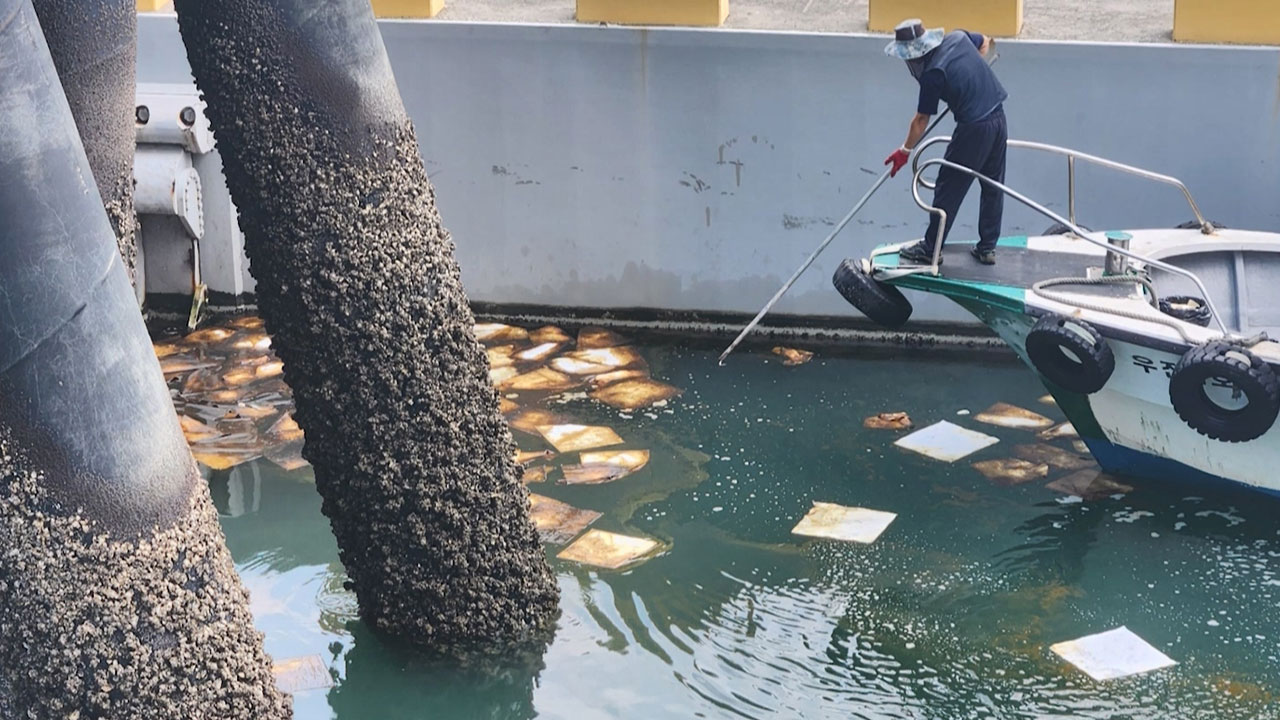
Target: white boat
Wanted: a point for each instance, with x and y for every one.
(1154, 342)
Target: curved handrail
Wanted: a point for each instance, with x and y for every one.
(1072, 156)
(918, 181)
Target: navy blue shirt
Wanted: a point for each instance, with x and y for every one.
(933, 81)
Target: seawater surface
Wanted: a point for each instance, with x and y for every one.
(950, 614)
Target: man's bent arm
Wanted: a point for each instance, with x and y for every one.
(918, 125)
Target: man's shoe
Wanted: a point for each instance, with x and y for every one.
(918, 254)
(986, 257)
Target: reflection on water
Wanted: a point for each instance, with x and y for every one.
(392, 684)
(948, 615)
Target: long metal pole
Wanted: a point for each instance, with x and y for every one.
(818, 251)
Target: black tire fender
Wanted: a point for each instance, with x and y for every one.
(1060, 229)
(1195, 225)
(1245, 372)
(1188, 308)
(884, 304)
(1070, 353)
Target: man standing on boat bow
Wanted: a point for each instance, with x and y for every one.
(951, 68)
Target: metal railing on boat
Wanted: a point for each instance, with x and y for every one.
(918, 181)
(1071, 155)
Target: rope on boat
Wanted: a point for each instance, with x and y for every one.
(1039, 289)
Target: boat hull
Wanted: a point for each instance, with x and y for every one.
(1130, 425)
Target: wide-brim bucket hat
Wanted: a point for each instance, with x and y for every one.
(911, 40)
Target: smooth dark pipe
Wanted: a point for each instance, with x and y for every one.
(78, 377)
(94, 44)
(118, 598)
(361, 294)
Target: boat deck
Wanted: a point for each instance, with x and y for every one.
(1015, 266)
(1020, 264)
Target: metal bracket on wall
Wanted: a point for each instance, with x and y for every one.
(171, 128)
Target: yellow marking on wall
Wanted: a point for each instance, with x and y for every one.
(154, 5)
(407, 8)
(990, 17)
(1254, 22)
(654, 12)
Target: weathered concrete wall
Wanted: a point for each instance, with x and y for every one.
(695, 169)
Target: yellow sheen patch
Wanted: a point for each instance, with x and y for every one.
(611, 357)
(558, 522)
(1011, 416)
(223, 458)
(247, 322)
(500, 375)
(544, 379)
(792, 356)
(284, 430)
(1065, 430)
(164, 350)
(591, 338)
(500, 356)
(208, 335)
(287, 456)
(1052, 456)
(635, 394)
(549, 334)
(178, 364)
(530, 419)
(250, 410)
(194, 430)
(609, 378)
(837, 522)
(537, 353)
(1089, 485)
(604, 466)
(888, 421)
(257, 342)
(632, 460)
(524, 457)
(498, 332)
(608, 550)
(202, 380)
(591, 474)
(221, 397)
(535, 474)
(568, 438)
(269, 369)
(574, 366)
(239, 376)
(299, 674)
(1011, 471)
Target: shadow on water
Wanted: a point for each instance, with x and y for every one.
(272, 516)
(288, 560)
(393, 683)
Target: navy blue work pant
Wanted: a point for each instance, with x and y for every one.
(979, 146)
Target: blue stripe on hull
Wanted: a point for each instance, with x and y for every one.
(1120, 460)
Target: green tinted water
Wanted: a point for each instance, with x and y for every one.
(948, 615)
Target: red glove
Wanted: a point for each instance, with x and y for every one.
(897, 160)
